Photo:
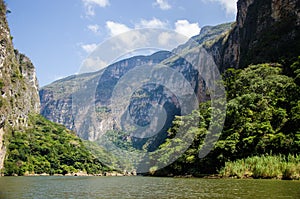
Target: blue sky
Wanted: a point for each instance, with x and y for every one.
(57, 35)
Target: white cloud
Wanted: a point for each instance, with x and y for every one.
(229, 5)
(153, 23)
(163, 4)
(89, 47)
(115, 28)
(186, 28)
(90, 5)
(90, 10)
(94, 28)
(164, 38)
(92, 64)
(101, 3)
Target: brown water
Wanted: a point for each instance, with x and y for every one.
(144, 187)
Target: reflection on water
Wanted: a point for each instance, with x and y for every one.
(144, 187)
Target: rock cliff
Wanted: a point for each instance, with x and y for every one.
(60, 100)
(18, 85)
(265, 31)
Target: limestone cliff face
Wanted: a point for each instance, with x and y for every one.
(67, 101)
(18, 85)
(269, 31)
(265, 31)
(83, 102)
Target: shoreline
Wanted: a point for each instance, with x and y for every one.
(213, 176)
(77, 174)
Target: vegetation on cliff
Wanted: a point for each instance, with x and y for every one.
(47, 147)
(262, 117)
(18, 86)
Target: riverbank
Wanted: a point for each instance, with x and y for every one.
(278, 167)
(257, 167)
(82, 173)
(264, 167)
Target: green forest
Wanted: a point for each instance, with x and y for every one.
(47, 147)
(261, 129)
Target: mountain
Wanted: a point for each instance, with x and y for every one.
(18, 85)
(59, 100)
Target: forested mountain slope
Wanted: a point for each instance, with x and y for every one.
(30, 144)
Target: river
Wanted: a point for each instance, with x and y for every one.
(144, 187)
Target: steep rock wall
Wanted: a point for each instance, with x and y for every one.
(18, 85)
(265, 31)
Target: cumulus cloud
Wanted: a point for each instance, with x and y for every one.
(164, 38)
(90, 5)
(94, 28)
(186, 28)
(229, 5)
(163, 4)
(92, 64)
(115, 28)
(153, 23)
(89, 47)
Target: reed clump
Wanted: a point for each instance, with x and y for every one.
(265, 166)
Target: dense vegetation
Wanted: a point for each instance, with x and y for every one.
(262, 117)
(279, 167)
(49, 148)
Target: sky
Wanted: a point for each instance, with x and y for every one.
(58, 35)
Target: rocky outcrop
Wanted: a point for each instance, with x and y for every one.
(18, 85)
(269, 31)
(265, 31)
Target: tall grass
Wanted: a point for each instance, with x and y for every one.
(265, 166)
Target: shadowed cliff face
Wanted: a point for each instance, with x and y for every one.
(18, 85)
(269, 31)
(265, 31)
